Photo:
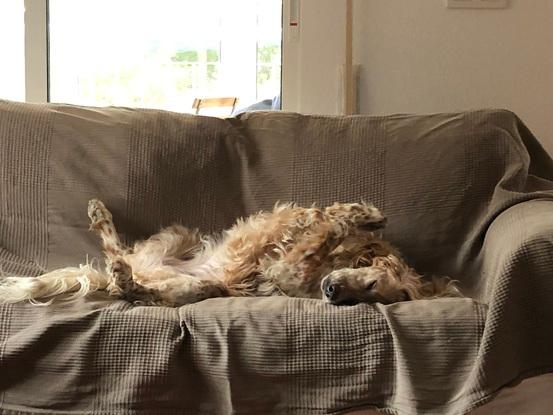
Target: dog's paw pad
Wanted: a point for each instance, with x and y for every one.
(97, 212)
(120, 270)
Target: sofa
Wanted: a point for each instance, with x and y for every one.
(468, 195)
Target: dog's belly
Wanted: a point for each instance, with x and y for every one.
(204, 266)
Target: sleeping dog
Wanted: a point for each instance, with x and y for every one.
(329, 253)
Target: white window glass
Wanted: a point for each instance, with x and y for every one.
(12, 48)
(164, 53)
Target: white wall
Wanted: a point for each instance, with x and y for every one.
(12, 41)
(418, 56)
(311, 64)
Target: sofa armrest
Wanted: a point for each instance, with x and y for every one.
(515, 279)
(520, 242)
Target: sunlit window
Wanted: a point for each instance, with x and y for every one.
(12, 47)
(164, 53)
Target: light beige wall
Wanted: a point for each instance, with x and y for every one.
(311, 62)
(418, 56)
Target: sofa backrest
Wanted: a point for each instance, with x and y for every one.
(438, 178)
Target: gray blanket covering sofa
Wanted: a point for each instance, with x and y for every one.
(469, 195)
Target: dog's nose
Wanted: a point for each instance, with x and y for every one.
(331, 290)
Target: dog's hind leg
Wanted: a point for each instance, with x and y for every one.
(123, 285)
(101, 221)
(170, 291)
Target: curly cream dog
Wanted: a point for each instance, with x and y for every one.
(329, 253)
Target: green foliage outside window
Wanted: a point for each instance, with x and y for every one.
(212, 55)
(185, 56)
(268, 53)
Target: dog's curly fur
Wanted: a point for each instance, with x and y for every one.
(330, 253)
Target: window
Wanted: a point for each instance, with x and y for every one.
(164, 53)
(12, 45)
(251, 46)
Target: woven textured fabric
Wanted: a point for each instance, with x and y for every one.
(469, 195)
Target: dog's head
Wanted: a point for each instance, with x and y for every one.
(387, 281)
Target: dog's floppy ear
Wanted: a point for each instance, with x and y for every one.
(411, 285)
(375, 224)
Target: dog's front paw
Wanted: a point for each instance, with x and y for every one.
(359, 215)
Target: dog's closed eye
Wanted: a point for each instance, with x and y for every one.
(371, 285)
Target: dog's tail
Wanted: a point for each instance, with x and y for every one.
(69, 283)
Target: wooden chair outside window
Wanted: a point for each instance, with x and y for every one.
(223, 102)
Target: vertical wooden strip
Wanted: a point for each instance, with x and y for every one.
(36, 51)
(349, 92)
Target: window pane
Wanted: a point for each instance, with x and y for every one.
(164, 53)
(12, 45)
